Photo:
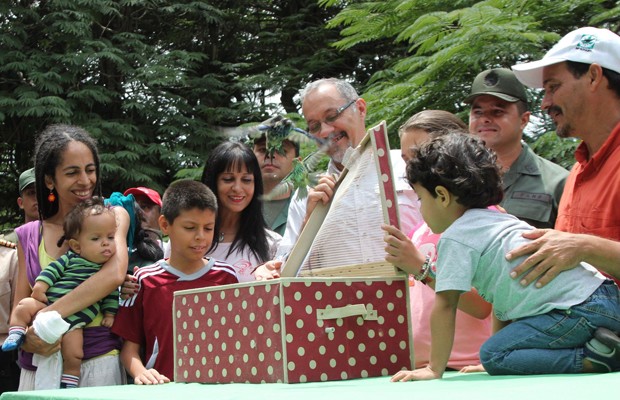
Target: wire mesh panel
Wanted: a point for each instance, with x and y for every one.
(346, 239)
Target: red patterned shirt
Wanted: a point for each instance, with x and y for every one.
(146, 318)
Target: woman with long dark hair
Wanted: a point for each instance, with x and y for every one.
(242, 238)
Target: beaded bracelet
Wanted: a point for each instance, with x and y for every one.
(431, 272)
(426, 267)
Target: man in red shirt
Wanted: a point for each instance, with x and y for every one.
(581, 78)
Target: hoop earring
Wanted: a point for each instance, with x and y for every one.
(51, 197)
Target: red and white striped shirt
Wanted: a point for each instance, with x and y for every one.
(146, 317)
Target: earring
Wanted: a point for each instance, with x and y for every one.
(51, 197)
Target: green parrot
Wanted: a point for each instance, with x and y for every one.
(278, 129)
(302, 175)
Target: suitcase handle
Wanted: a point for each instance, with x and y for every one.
(348, 311)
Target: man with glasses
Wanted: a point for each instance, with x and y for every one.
(334, 111)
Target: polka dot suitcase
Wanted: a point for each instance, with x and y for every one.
(293, 330)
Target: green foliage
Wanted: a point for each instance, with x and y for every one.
(157, 81)
(154, 81)
(449, 42)
(560, 151)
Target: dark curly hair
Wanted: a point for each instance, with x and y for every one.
(460, 163)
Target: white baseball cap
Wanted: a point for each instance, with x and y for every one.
(585, 45)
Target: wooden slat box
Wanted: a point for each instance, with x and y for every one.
(293, 330)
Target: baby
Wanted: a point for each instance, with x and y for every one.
(89, 228)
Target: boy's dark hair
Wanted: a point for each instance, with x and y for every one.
(74, 220)
(184, 195)
(49, 148)
(460, 163)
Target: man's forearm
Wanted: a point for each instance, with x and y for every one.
(604, 254)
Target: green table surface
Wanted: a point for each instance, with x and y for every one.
(478, 386)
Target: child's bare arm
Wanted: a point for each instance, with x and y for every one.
(442, 329)
(442, 333)
(38, 291)
(130, 357)
(473, 304)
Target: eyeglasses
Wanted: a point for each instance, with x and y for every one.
(315, 126)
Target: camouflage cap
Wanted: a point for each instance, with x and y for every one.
(498, 82)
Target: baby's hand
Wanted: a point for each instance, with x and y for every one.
(108, 320)
(39, 296)
(150, 377)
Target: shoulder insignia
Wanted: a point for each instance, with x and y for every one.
(6, 243)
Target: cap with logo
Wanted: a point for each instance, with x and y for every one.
(585, 45)
(26, 178)
(144, 191)
(498, 82)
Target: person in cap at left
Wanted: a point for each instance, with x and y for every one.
(9, 369)
(150, 203)
(499, 113)
(27, 201)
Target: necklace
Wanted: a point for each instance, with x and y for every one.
(222, 235)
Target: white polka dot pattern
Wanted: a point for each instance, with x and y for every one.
(270, 332)
(380, 139)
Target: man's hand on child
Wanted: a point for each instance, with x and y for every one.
(420, 374)
(549, 253)
(150, 377)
